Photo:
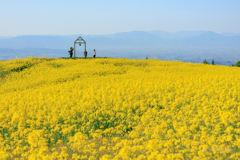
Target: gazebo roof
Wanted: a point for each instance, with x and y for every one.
(80, 39)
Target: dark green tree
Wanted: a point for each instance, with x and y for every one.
(205, 61)
(213, 62)
(237, 64)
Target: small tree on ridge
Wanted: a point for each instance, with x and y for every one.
(205, 61)
(213, 63)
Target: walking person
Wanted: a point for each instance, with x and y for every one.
(94, 53)
(70, 52)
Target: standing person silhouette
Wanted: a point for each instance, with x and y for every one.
(70, 52)
(94, 53)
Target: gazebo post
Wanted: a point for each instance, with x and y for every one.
(74, 49)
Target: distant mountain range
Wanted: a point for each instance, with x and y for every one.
(183, 45)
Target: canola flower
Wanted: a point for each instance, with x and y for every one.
(118, 109)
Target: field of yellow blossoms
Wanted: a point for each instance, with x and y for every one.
(118, 109)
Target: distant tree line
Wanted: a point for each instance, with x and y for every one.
(213, 63)
(206, 62)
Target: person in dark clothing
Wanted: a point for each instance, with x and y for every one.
(94, 53)
(85, 54)
(70, 52)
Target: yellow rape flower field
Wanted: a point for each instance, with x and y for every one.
(118, 109)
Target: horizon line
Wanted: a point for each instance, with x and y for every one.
(112, 33)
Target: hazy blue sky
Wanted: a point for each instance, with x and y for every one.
(65, 17)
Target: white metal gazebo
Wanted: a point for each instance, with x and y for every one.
(80, 41)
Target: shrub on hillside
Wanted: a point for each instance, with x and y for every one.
(237, 64)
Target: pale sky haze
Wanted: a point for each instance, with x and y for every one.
(66, 17)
